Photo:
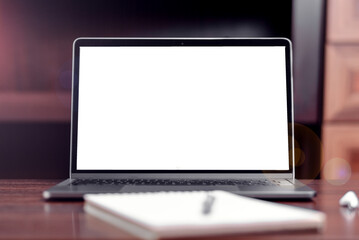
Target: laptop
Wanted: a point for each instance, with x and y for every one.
(182, 114)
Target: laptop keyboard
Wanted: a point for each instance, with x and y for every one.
(247, 182)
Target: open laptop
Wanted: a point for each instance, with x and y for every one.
(182, 115)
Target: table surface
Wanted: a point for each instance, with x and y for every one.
(25, 215)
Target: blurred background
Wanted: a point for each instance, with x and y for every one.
(35, 70)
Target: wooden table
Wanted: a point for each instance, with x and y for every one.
(25, 215)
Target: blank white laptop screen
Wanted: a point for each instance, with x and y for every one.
(182, 108)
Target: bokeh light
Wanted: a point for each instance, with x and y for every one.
(337, 171)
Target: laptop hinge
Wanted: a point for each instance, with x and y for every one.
(180, 176)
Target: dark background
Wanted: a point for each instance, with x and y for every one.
(36, 49)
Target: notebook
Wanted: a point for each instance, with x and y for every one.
(182, 114)
(189, 214)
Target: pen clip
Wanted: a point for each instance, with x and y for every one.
(207, 204)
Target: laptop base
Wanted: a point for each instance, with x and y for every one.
(297, 191)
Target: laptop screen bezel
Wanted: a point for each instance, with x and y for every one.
(180, 42)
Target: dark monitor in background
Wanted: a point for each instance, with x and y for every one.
(36, 47)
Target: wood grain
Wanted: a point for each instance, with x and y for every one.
(25, 215)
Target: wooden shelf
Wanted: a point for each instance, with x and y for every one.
(35, 106)
(341, 83)
(340, 132)
(343, 21)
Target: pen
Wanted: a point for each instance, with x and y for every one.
(207, 204)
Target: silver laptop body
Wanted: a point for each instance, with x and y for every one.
(182, 114)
